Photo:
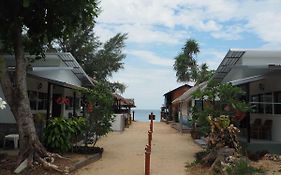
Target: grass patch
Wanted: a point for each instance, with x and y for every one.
(242, 167)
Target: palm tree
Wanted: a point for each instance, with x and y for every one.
(203, 74)
(185, 63)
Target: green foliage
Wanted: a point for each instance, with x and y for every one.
(186, 66)
(99, 60)
(59, 132)
(242, 167)
(40, 22)
(100, 119)
(200, 155)
(219, 99)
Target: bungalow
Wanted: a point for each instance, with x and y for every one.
(53, 87)
(258, 73)
(122, 112)
(169, 109)
(185, 102)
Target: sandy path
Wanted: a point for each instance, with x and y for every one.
(124, 152)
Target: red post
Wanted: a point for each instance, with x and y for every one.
(149, 138)
(151, 117)
(147, 160)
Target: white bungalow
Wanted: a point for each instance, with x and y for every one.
(258, 73)
(185, 103)
(53, 85)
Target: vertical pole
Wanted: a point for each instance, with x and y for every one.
(133, 115)
(151, 116)
(74, 104)
(147, 160)
(149, 138)
(49, 102)
(248, 116)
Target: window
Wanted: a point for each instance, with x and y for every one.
(255, 99)
(42, 101)
(267, 100)
(277, 102)
(38, 100)
(269, 103)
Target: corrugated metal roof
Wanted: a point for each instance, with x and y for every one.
(227, 63)
(70, 61)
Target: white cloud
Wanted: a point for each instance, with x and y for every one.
(267, 26)
(171, 22)
(211, 57)
(151, 57)
(219, 17)
(147, 86)
(139, 33)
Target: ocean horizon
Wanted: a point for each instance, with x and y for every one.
(143, 114)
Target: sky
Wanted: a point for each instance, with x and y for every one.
(158, 29)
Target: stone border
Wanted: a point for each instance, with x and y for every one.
(85, 162)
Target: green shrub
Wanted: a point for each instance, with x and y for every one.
(59, 132)
(242, 167)
(200, 155)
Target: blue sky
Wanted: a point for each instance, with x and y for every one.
(158, 29)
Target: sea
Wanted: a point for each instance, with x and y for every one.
(143, 114)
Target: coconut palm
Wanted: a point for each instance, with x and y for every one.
(185, 63)
(203, 73)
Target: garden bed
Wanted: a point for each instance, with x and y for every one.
(74, 161)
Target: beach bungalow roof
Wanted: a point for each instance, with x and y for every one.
(125, 102)
(246, 64)
(188, 94)
(54, 68)
(185, 85)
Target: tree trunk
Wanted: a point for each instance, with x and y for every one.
(15, 90)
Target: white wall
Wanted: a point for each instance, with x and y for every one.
(119, 122)
(184, 108)
(6, 115)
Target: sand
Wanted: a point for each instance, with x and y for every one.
(124, 152)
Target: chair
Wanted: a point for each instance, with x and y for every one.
(256, 129)
(266, 129)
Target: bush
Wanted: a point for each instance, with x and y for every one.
(100, 118)
(59, 131)
(242, 167)
(200, 155)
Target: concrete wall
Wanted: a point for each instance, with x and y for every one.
(184, 108)
(119, 122)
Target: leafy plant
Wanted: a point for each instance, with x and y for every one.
(219, 99)
(242, 167)
(200, 155)
(59, 132)
(100, 118)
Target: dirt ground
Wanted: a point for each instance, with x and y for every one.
(124, 152)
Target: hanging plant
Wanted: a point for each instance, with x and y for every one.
(63, 100)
